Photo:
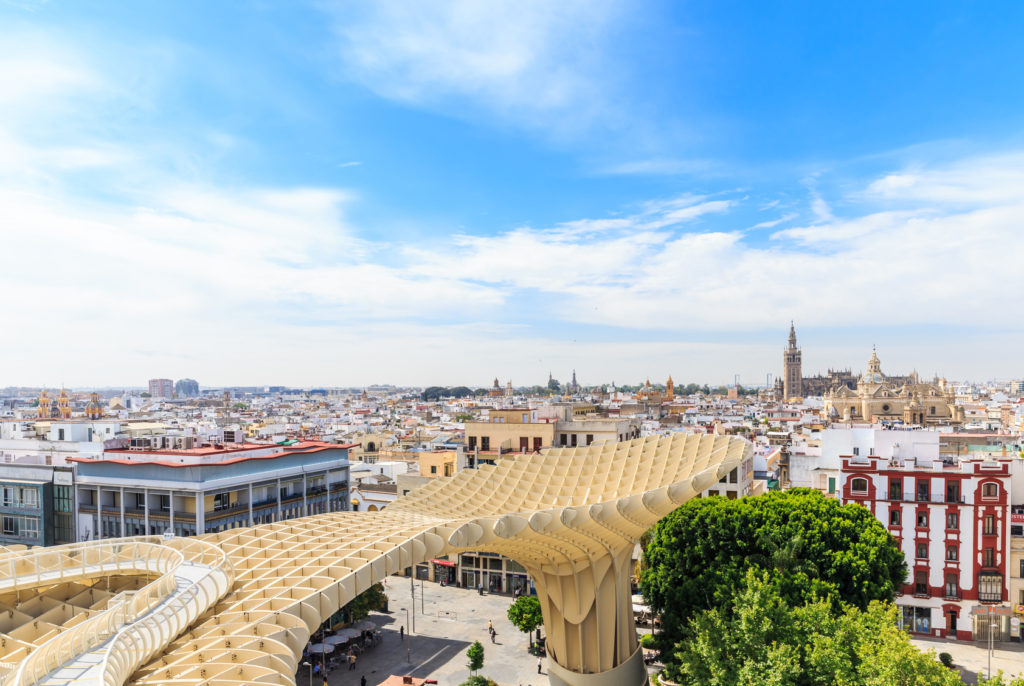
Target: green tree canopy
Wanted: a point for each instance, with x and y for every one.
(476, 656)
(525, 613)
(762, 639)
(479, 681)
(372, 598)
(813, 546)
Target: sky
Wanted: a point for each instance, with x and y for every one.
(418, 193)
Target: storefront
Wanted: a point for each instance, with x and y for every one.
(444, 571)
(994, 619)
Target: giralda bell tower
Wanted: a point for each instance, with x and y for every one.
(793, 377)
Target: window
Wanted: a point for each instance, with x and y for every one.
(590, 438)
(140, 501)
(221, 501)
(472, 442)
(921, 582)
(856, 451)
(922, 518)
(953, 521)
(60, 434)
(990, 588)
(923, 491)
(989, 528)
(165, 502)
(1022, 571)
(485, 443)
(63, 499)
(952, 588)
(859, 485)
(953, 491)
(1017, 529)
(894, 517)
(990, 491)
(895, 489)
(952, 553)
(922, 551)
(526, 418)
(734, 475)
(932, 410)
(574, 441)
(988, 557)
(433, 469)
(917, 619)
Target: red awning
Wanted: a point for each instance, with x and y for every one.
(443, 563)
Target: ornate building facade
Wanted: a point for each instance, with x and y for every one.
(793, 384)
(879, 398)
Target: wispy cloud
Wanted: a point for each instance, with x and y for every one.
(528, 63)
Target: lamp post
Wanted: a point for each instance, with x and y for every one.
(991, 633)
(412, 595)
(408, 647)
(423, 610)
(309, 666)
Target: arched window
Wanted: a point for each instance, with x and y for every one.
(989, 491)
(859, 485)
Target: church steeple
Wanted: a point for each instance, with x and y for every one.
(792, 367)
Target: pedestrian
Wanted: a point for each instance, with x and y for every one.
(351, 662)
(490, 626)
(493, 634)
(539, 663)
(401, 633)
(362, 681)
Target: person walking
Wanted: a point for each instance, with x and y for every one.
(539, 663)
(493, 634)
(362, 680)
(490, 626)
(401, 633)
(352, 662)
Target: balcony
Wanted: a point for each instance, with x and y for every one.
(938, 498)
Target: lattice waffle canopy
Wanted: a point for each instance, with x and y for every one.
(571, 516)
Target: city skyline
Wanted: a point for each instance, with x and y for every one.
(437, 194)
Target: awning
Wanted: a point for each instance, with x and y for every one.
(355, 501)
(444, 563)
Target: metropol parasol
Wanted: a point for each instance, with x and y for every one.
(237, 607)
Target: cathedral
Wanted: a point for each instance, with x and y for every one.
(872, 397)
(794, 385)
(879, 398)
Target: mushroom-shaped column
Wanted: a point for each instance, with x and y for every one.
(580, 560)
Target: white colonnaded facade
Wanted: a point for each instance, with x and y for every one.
(253, 596)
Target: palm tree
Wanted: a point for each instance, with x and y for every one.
(786, 558)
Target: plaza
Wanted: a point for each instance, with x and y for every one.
(448, 619)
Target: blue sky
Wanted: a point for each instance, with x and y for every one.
(348, 193)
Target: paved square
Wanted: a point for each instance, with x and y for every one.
(447, 621)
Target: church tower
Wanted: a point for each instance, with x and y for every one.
(670, 389)
(792, 368)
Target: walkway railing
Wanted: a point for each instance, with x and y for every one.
(193, 576)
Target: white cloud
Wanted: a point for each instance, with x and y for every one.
(520, 61)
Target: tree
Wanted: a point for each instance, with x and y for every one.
(553, 385)
(762, 639)
(1000, 680)
(372, 598)
(812, 546)
(464, 417)
(525, 614)
(476, 656)
(479, 681)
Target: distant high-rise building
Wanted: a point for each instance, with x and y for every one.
(792, 384)
(187, 388)
(161, 388)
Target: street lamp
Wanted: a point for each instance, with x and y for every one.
(309, 666)
(991, 633)
(408, 647)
